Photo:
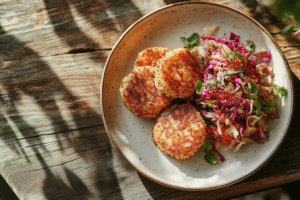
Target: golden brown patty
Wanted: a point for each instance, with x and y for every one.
(179, 131)
(140, 95)
(150, 56)
(177, 73)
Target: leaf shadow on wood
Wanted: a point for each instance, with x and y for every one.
(158, 191)
(252, 4)
(66, 28)
(56, 188)
(25, 73)
(109, 17)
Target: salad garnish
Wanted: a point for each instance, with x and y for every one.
(236, 96)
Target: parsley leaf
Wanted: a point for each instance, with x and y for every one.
(254, 90)
(242, 76)
(210, 159)
(240, 56)
(193, 38)
(250, 47)
(192, 41)
(282, 91)
(210, 123)
(208, 146)
(258, 114)
(267, 110)
(231, 56)
(232, 71)
(206, 60)
(257, 104)
(248, 139)
(199, 87)
(273, 104)
(183, 39)
(212, 80)
(209, 103)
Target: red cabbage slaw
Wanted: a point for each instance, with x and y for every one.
(237, 95)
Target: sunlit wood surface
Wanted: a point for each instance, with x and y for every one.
(52, 140)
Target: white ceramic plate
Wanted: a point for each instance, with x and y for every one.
(132, 135)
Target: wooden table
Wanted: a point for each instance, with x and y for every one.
(52, 141)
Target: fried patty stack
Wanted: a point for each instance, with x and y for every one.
(160, 75)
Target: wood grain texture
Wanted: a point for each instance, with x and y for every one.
(52, 141)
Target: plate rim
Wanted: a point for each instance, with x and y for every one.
(291, 81)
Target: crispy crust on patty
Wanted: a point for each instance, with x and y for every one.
(179, 131)
(177, 73)
(150, 56)
(140, 95)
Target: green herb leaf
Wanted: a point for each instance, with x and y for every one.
(254, 90)
(267, 100)
(212, 80)
(190, 46)
(193, 38)
(240, 56)
(249, 85)
(192, 41)
(209, 109)
(183, 39)
(210, 159)
(206, 60)
(232, 71)
(231, 56)
(258, 114)
(209, 123)
(208, 103)
(248, 139)
(250, 47)
(287, 29)
(273, 104)
(282, 91)
(257, 104)
(208, 146)
(198, 87)
(267, 110)
(275, 96)
(242, 76)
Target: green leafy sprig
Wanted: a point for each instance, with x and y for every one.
(232, 54)
(209, 157)
(192, 41)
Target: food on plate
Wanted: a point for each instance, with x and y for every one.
(179, 131)
(236, 96)
(150, 56)
(226, 91)
(140, 95)
(177, 73)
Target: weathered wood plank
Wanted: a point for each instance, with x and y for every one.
(84, 169)
(87, 149)
(56, 27)
(53, 142)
